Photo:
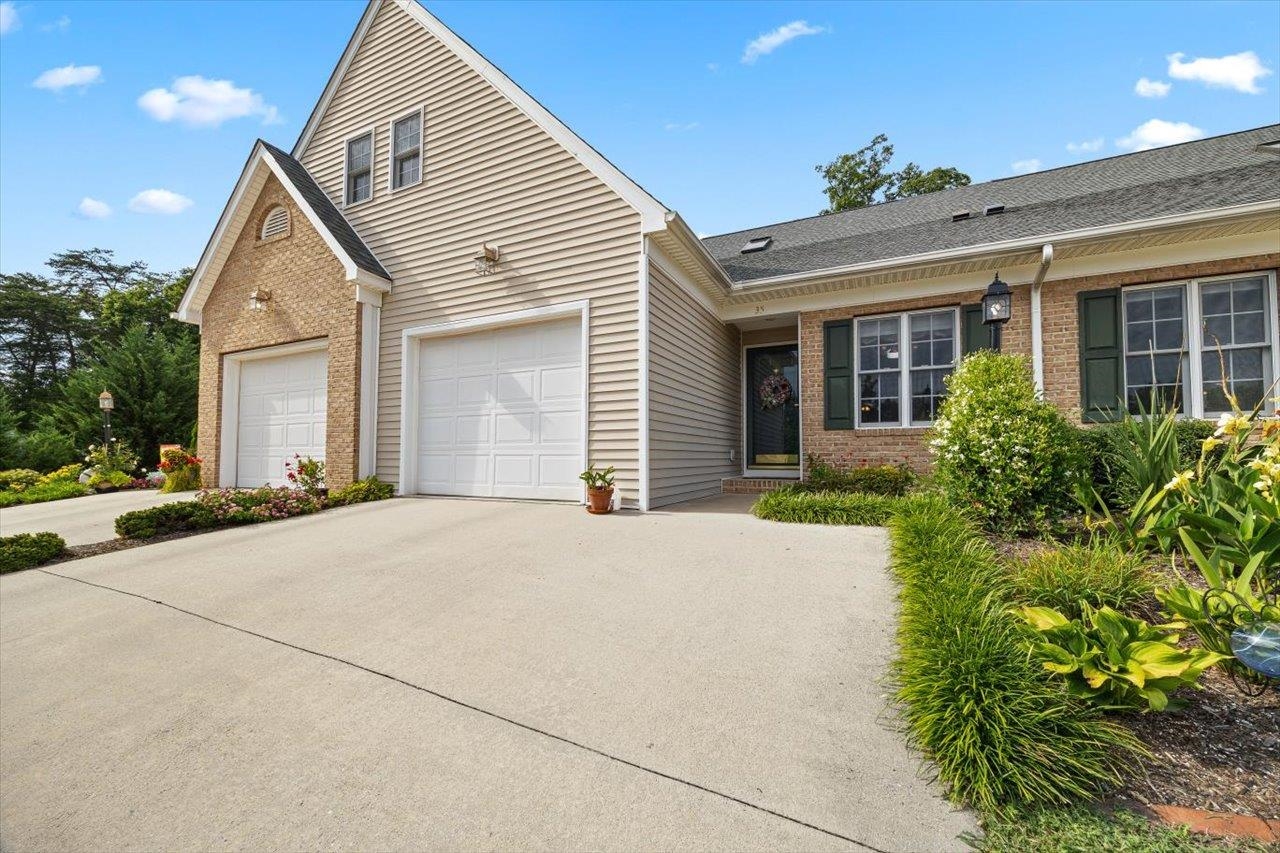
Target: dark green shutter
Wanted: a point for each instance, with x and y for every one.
(1101, 355)
(837, 374)
(976, 335)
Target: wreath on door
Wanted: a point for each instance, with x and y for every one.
(775, 391)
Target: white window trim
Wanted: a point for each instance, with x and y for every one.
(228, 444)
(1195, 372)
(372, 133)
(409, 352)
(421, 112)
(904, 364)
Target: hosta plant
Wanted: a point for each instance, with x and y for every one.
(1114, 661)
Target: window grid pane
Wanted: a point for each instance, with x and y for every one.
(1154, 345)
(359, 169)
(1233, 338)
(879, 355)
(933, 355)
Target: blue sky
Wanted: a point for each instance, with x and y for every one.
(670, 92)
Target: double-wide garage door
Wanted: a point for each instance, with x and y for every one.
(500, 412)
(282, 404)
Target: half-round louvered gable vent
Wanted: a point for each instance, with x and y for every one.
(277, 222)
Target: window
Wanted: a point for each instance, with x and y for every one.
(406, 151)
(359, 169)
(1166, 366)
(275, 222)
(903, 386)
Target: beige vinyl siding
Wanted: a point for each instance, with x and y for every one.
(695, 410)
(490, 175)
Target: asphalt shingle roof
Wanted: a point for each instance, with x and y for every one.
(328, 214)
(1217, 172)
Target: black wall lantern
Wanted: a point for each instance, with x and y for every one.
(997, 308)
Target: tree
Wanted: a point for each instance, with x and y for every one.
(864, 178)
(146, 301)
(39, 329)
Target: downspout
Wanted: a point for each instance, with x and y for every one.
(1037, 331)
(643, 378)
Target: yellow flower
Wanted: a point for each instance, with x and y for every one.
(1230, 423)
(1180, 482)
(1209, 444)
(1272, 425)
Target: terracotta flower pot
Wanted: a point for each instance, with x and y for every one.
(600, 501)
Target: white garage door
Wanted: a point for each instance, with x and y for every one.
(282, 412)
(500, 412)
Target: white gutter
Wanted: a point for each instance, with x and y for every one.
(1037, 330)
(1021, 244)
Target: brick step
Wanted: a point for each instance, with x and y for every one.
(753, 485)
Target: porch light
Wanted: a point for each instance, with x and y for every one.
(258, 299)
(997, 308)
(106, 402)
(487, 261)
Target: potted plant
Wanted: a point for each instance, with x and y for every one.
(599, 489)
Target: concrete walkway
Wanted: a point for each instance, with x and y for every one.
(463, 674)
(82, 521)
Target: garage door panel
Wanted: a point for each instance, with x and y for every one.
(514, 422)
(281, 411)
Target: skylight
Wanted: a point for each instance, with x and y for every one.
(756, 244)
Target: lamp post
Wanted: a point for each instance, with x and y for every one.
(106, 402)
(997, 308)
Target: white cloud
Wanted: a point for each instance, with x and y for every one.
(1022, 167)
(1239, 71)
(59, 25)
(1087, 147)
(769, 42)
(199, 102)
(1157, 133)
(1151, 88)
(713, 67)
(8, 18)
(673, 126)
(57, 79)
(91, 208)
(159, 201)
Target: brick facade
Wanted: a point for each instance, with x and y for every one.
(310, 299)
(872, 446)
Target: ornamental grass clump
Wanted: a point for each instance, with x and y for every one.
(804, 507)
(1002, 451)
(1001, 729)
(1100, 574)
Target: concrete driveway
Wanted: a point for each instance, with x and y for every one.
(463, 674)
(82, 521)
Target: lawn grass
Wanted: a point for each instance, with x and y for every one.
(805, 507)
(1083, 830)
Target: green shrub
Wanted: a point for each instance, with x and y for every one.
(42, 448)
(249, 506)
(165, 518)
(29, 549)
(18, 479)
(361, 491)
(892, 480)
(1119, 453)
(1114, 661)
(42, 492)
(102, 479)
(999, 728)
(181, 470)
(65, 474)
(112, 456)
(1000, 449)
(805, 507)
(1102, 575)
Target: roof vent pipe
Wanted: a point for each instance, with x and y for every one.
(1037, 332)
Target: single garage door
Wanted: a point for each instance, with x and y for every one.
(500, 412)
(282, 412)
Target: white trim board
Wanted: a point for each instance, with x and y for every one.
(229, 426)
(652, 212)
(409, 338)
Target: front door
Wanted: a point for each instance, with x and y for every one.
(773, 408)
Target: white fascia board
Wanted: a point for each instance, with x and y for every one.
(1020, 244)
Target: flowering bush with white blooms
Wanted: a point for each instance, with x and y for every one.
(1000, 449)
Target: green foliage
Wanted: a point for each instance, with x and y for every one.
(166, 518)
(361, 491)
(103, 480)
(1114, 661)
(18, 479)
(181, 470)
(1128, 456)
(864, 177)
(43, 492)
(597, 479)
(249, 506)
(912, 181)
(1082, 830)
(66, 473)
(42, 448)
(306, 473)
(809, 507)
(893, 480)
(29, 549)
(1001, 730)
(999, 449)
(1102, 574)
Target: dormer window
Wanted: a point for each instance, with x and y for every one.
(406, 151)
(756, 244)
(359, 169)
(276, 222)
